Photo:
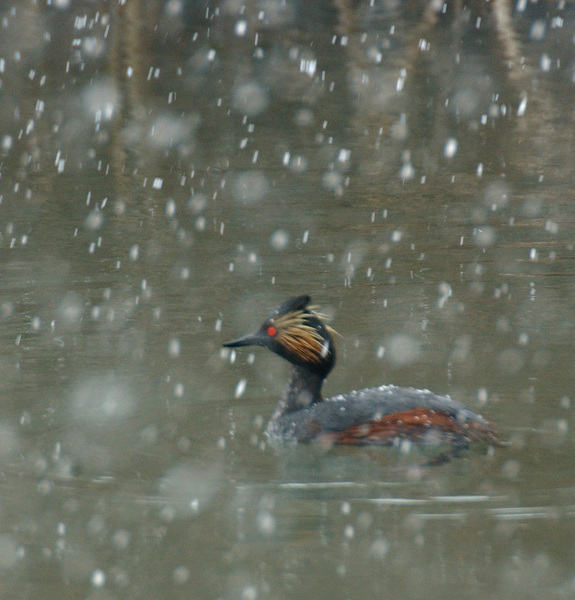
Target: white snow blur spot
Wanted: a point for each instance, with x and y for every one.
(98, 578)
(197, 203)
(374, 55)
(93, 47)
(250, 187)
(279, 239)
(545, 63)
(399, 129)
(94, 220)
(174, 347)
(249, 592)
(511, 469)
(308, 66)
(6, 310)
(332, 181)
(10, 551)
(401, 80)
(537, 31)
(70, 311)
(241, 28)
(170, 210)
(450, 148)
(169, 130)
(464, 102)
(496, 195)
(173, 8)
(344, 155)
(101, 401)
(484, 236)
(266, 523)
(522, 106)
(298, 164)
(187, 489)
(240, 388)
(405, 446)
(445, 292)
(403, 350)
(7, 142)
(121, 539)
(379, 548)
(304, 117)
(181, 575)
(250, 98)
(102, 100)
(407, 171)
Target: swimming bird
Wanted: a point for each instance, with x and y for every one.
(379, 416)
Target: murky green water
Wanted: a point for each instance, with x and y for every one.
(169, 173)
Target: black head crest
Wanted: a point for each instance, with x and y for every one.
(296, 331)
(292, 305)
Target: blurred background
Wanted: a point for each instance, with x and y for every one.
(170, 171)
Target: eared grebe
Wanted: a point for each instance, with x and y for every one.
(381, 416)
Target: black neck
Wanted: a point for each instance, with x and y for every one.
(303, 389)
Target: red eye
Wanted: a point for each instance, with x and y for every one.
(272, 331)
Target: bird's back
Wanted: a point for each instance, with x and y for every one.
(382, 416)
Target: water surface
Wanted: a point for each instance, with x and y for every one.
(170, 172)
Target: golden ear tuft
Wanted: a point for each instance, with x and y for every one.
(314, 310)
(300, 338)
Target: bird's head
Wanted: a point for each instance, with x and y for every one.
(296, 332)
